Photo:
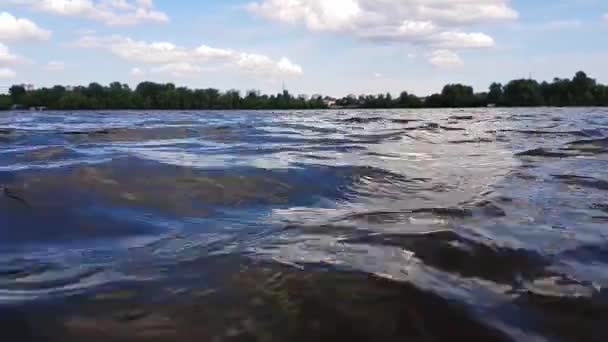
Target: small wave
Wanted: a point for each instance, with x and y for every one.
(404, 121)
(133, 134)
(600, 206)
(461, 117)
(588, 182)
(471, 141)
(361, 120)
(542, 152)
(16, 167)
(48, 153)
(448, 251)
(300, 128)
(593, 146)
(7, 131)
(539, 132)
(56, 283)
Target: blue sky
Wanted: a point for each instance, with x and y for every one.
(333, 47)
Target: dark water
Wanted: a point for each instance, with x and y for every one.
(425, 225)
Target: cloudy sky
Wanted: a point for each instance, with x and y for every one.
(333, 47)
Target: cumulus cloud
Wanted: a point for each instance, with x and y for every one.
(137, 72)
(337, 15)
(6, 57)
(166, 57)
(285, 66)
(7, 60)
(445, 59)
(6, 73)
(456, 40)
(109, 12)
(182, 69)
(12, 28)
(55, 66)
(318, 15)
(432, 24)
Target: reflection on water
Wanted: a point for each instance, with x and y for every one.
(358, 225)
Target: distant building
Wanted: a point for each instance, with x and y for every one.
(329, 101)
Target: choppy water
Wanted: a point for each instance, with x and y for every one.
(358, 225)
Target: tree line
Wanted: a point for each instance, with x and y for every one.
(578, 91)
(149, 95)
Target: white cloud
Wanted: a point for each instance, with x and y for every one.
(55, 66)
(6, 73)
(605, 17)
(208, 52)
(286, 66)
(182, 69)
(462, 11)
(456, 40)
(378, 75)
(389, 16)
(137, 72)
(12, 28)
(6, 57)
(408, 30)
(430, 24)
(445, 59)
(179, 61)
(263, 65)
(318, 15)
(7, 60)
(109, 12)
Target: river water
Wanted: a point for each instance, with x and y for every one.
(422, 225)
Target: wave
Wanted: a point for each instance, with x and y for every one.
(492, 217)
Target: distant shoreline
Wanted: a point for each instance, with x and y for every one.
(291, 109)
(580, 91)
(297, 110)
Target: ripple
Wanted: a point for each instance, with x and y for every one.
(542, 152)
(495, 218)
(589, 182)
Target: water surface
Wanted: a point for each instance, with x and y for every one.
(423, 225)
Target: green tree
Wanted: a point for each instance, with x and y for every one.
(495, 95)
(458, 95)
(582, 89)
(524, 93)
(17, 93)
(5, 102)
(74, 100)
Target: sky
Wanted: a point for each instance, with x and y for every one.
(330, 47)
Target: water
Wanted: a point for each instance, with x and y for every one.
(425, 225)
